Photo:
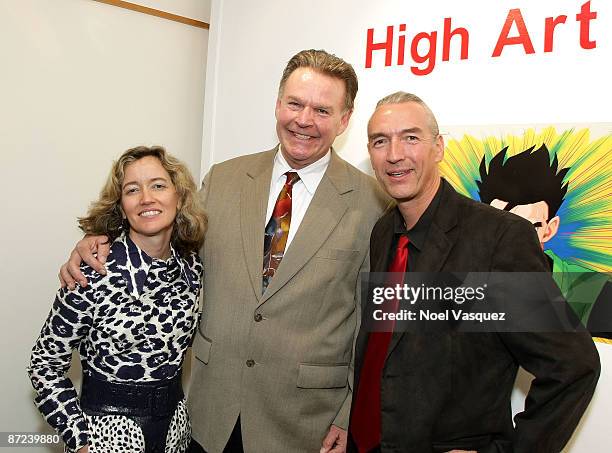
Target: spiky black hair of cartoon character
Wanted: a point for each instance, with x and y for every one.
(528, 177)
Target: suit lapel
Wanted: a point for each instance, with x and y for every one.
(442, 233)
(380, 244)
(253, 205)
(440, 240)
(436, 249)
(326, 209)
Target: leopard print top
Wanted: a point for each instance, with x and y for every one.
(133, 324)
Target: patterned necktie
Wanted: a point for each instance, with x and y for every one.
(366, 418)
(277, 230)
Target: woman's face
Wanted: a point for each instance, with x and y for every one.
(148, 198)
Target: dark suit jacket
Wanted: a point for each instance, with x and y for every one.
(442, 391)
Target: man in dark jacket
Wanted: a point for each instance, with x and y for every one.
(450, 391)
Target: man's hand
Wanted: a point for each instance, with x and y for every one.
(86, 247)
(335, 441)
(84, 449)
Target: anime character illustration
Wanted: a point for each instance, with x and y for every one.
(569, 206)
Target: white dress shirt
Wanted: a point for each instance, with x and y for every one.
(302, 191)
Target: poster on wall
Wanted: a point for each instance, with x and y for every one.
(560, 179)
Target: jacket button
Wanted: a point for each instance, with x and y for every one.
(258, 317)
(250, 363)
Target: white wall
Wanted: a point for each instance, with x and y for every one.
(251, 42)
(80, 82)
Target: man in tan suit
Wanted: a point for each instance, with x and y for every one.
(273, 355)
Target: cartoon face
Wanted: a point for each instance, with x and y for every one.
(537, 214)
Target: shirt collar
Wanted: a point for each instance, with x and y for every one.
(310, 175)
(134, 264)
(418, 233)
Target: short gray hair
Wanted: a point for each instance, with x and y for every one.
(401, 97)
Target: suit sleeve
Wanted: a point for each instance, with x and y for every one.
(342, 418)
(203, 197)
(565, 364)
(379, 203)
(204, 190)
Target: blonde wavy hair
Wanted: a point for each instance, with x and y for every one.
(105, 217)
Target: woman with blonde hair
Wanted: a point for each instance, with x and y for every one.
(133, 325)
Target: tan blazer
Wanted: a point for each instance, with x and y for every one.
(281, 360)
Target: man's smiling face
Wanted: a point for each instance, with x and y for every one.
(403, 151)
(310, 114)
